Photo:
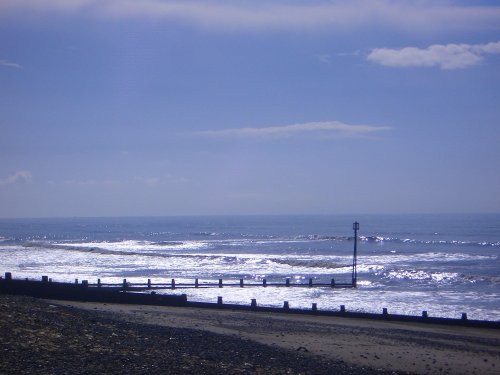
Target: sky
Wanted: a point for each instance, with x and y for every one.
(158, 107)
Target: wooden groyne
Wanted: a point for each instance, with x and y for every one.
(126, 285)
(82, 292)
(125, 295)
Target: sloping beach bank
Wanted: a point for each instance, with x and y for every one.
(70, 337)
(43, 337)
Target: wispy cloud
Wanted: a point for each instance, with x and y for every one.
(324, 59)
(167, 179)
(89, 183)
(19, 177)
(447, 56)
(10, 64)
(327, 129)
(410, 15)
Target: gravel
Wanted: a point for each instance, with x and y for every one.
(39, 338)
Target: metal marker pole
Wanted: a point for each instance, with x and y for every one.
(355, 226)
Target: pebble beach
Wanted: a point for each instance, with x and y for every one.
(55, 337)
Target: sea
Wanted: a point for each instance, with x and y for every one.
(443, 264)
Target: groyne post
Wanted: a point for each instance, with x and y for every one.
(45, 279)
(286, 306)
(85, 283)
(424, 314)
(253, 305)
(219, 300)
(264, 283)
(342, 309)
(8, 276)
(310, 283)
(76, 281)
(149, 283)
(124, 285)
(98, 283)
(196, 283)
(333, 283)
(241, 283)
(464, 316)
(384, 311)
(173, 284)
(314, 307)
(287, 282)
(220, 283)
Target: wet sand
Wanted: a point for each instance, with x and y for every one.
(386, 346)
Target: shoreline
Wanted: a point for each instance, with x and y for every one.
(387, 346)
(126, 293)
(193, 340)
(40, 337)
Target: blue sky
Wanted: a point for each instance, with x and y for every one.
(159, 107)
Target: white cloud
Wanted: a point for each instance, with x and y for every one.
(410, 15)
(448, 56)
(325, 129)
(10, 64)
(19, 177)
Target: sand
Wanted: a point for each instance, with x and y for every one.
(391, 346)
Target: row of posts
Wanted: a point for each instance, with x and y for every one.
(125, 284)
(286, 306)
(314, 307)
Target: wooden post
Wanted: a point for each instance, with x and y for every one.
(149, 283)
(85, 283)
(124, 283)
(219, 300)
(98, 283)
(342, 309)
(50, 279)
(220, 283)
(173, 283)
(464, 316)
(424, 314)
(287, 282)
(333, 283)
(310, 282)
(8, 276)
(254, 303)
(384, 311)
(241, 283)
(196, 283)
(45, 279)
(314, 307)
(76, 281)
(286, 306)
(264, 283)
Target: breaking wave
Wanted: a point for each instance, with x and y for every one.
(382, 239)
(310, 263)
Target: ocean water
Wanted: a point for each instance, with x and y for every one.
(443, 264)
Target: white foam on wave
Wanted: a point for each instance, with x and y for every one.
(138, 246)
(421, 275)
(398, 257)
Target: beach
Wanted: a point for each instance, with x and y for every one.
(79, 337)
